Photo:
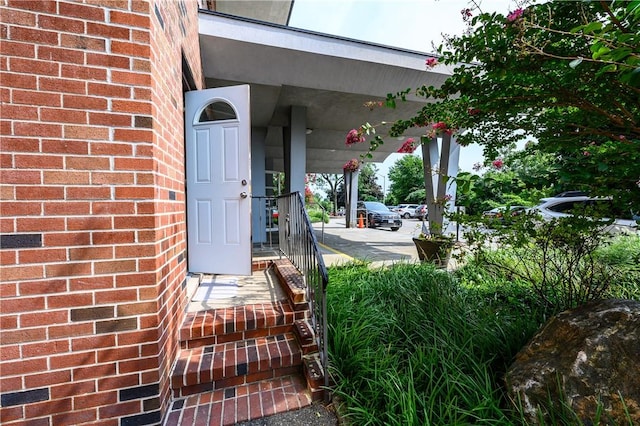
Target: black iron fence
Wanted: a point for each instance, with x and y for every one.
(298, 243)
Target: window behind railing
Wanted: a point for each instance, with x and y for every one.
(298, 243)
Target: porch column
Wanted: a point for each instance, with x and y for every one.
(445, 159)
(295, 150)
(258, 186)
(452, 183)
(351, 198)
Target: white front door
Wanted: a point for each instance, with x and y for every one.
(218, 166)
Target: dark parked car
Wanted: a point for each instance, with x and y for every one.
(378, 215)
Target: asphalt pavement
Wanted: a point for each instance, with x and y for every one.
(380, 246)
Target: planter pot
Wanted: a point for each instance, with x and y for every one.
(438, 252)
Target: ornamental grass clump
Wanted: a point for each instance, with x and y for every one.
(409, 346)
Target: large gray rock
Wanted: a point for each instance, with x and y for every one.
(581, 357)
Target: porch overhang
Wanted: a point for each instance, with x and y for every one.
(332, 77)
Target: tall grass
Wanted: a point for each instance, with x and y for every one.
(623, 254)
(409, 346)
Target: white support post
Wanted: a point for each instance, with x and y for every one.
(351, 191)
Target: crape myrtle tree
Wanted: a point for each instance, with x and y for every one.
(566, 74)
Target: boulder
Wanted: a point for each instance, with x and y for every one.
(585, 360)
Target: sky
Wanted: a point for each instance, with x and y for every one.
(410, 24)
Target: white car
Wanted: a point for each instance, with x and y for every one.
(557, 207)
(407, 210)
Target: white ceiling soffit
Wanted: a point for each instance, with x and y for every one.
(332, 77)
(277, 12)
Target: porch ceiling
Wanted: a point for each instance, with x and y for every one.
(332, 77)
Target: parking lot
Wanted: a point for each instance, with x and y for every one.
(340, 244)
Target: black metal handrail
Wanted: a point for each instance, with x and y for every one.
(298, 243)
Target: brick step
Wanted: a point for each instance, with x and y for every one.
(228, 364)
(306, 337)
(241, 403)
(292, 282)
(314, 375)
(237, 323)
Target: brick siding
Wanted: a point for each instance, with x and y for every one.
(92, 213)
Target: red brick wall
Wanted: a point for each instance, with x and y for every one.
(175, 34)
(92, 207)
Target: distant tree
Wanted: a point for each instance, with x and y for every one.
(368, 187)
(330, 183)
(406, 177)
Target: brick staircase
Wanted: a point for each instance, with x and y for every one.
(245, 362)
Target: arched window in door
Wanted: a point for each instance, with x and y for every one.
(217, 111)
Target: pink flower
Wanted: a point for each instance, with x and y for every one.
(354, 136)
(498, 163)
(442, 127)
(586, 153)
(351, 165)
(515, 15)
(622, 137)
(431, 62)
(407, 147)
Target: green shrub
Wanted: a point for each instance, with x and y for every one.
(317, 215)
(557, 258)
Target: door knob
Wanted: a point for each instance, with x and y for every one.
(243, 195)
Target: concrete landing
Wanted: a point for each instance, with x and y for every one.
(223, 291)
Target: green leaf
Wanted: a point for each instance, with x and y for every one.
(619, 54)
(633, 7)
(592, 27)
(608, 68)
(602, 51)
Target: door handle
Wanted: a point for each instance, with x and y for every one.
(243, 195)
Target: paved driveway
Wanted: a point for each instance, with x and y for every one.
(340, 244)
